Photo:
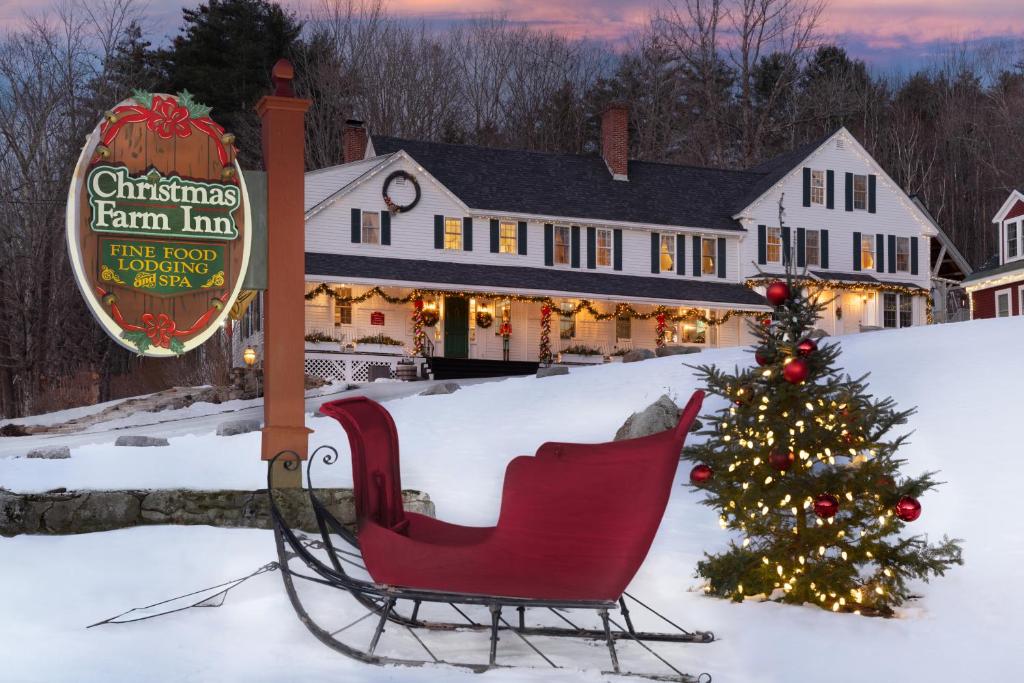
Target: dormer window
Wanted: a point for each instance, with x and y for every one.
(1014, 239)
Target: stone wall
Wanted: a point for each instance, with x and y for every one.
(75, 512)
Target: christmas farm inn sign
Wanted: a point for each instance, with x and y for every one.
(158, 224)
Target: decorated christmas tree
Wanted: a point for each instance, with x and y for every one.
(802, 467)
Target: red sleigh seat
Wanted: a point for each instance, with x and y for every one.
(575, 524)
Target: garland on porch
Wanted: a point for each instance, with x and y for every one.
(419, 338)
(659, 340)
(622, 310)
(545, 334)
(819, 285)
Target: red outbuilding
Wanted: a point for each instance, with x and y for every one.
(998, 291)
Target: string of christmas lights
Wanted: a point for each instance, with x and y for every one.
(821, 285)
(622, 310)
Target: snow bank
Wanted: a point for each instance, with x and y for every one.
(963, 378)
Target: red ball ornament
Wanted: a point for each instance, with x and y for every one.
(700, 474)
(807, 347)
(826, 505)
(908, 509)
(777, 293)
(795, 371)
(763, 356)
(781, 460)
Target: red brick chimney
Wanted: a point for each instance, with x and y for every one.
(615, 139)
(353, 141)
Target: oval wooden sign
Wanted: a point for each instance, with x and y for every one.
(158, 224)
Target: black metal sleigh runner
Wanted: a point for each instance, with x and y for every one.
(575, 524)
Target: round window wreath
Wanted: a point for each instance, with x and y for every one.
(400, 208)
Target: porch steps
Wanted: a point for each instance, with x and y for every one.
(467, 368)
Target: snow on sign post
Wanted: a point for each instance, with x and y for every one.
(158, 224)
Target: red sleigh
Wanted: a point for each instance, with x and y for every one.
(575, 524)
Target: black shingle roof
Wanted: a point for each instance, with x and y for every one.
(582, 186)
(528, 278)
(996, 269)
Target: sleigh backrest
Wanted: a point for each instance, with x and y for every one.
(598, 502)
(376, 472)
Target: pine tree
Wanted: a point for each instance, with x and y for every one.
(801, 466)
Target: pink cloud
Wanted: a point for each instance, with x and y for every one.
(925, 20)
(883, 25)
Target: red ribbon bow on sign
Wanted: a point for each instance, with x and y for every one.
(159, 328)
(167, 119)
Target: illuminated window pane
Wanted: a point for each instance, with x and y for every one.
(668, 253)
(453, 234)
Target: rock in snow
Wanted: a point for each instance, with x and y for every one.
(661, 415)
(675, 351)
(50, 453)
(637, 355)
(552, 371)
(141, 440)
(233, 427)
(440, 389)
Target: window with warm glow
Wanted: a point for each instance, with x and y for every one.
(623, 327)
(897, 310)
(817, 187)
(604, 248)
(453, 234)
(561, 244)
(566, 323)
(508, 238)
(708, 248)
(860, 192)
(774, 246)
(867, 252)
(371, 227)
(668, 253)
(694, 332)
(902, 254)
(812, 247)
(343, 311)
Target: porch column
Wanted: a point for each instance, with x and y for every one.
(283, 122)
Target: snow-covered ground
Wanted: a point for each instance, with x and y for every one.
(963, 378)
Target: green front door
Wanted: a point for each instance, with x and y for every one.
(456, 327)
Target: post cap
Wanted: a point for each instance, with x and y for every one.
(282, 75)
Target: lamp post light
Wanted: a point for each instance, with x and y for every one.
(249, 356)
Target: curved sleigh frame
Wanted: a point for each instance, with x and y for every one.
(322, 561)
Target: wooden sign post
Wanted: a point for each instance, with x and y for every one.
(283, 119)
